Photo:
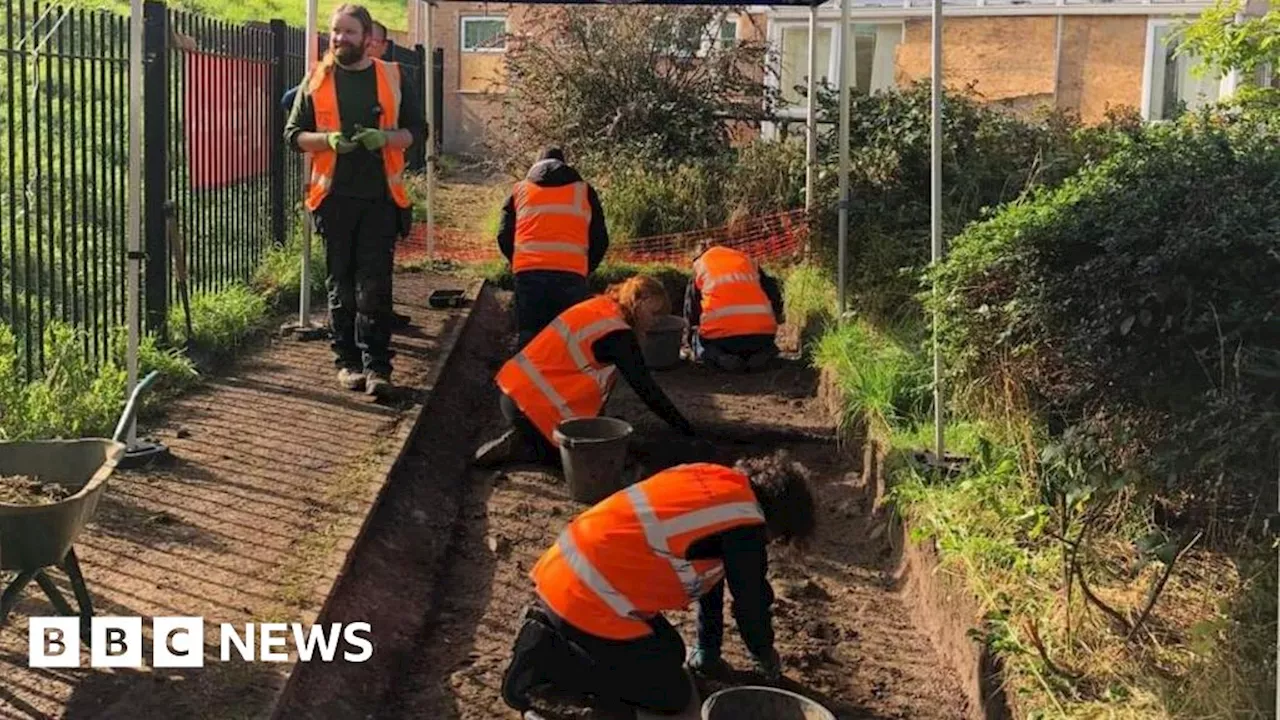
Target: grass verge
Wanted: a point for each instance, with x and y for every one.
(77, 398)
(1203, 648)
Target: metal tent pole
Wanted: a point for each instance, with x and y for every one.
(935, 220)
(811, 120)
(304, 294)
(137, 453)
(136, 114)
(843, 75)
(429, 71)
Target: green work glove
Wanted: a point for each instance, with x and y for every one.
(340, 144)
(371, 138)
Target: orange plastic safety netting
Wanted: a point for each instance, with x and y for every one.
(777, 238)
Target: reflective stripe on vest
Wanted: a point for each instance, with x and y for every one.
(592, 597)
(733, 302)
(324, 163)
(552, 228)
(544, 378)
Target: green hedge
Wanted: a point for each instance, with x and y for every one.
(1139, 302)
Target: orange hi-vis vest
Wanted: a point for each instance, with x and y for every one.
(552, 227)
(624, 560)
(325, 162)
(556, 377)
(733, 302)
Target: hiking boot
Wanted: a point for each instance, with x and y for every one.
(707, 663)
(378, 385)
(351, 379)
(495, 452)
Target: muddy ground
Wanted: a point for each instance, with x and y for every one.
(845, 637)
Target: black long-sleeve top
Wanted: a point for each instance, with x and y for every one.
(744, 552)
(621, 348)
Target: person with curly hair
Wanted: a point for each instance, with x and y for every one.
(569, 368)
(596, 626)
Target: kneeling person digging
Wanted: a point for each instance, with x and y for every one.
(596, 627)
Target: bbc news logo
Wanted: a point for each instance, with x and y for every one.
(178, 642)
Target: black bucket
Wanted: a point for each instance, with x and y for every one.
(593, 452)
(762, 703)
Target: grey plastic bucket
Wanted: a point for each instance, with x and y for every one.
(37, 536)
(762, 703)
(661, 345)
(593, 452)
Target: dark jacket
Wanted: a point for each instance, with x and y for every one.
(554, 173)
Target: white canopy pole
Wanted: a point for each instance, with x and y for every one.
(304, 301)
(935, 206)
(136, 113)
(843, 75)
(429, 72)
(811, 121)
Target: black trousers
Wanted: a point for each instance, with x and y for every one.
(646, 673)
(541, 295)
(359, 238)
(527, 433)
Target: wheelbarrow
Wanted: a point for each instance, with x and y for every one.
(34, 538)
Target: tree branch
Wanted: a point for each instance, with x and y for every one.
(1158, 588)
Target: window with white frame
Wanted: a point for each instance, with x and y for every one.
(484, 34)
(695, 40)
(1172, 86)
(873, 48)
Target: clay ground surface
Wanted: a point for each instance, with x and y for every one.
(275, 469)
(845, 637)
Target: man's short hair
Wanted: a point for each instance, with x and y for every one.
(379, 26)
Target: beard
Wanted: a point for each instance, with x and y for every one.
(348, 54)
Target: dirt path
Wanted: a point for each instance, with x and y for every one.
(845, 638)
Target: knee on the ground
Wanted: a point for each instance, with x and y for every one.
(674, 699)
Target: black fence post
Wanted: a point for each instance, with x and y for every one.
(420, 149)
(437, 122)
(278, 80)
(155, 87)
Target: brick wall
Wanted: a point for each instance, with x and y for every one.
(1102, 64)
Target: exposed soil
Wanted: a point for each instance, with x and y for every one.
(29, 490)
(845, 637)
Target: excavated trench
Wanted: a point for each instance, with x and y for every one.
(442, 571)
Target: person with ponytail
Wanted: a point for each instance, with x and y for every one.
(355, 115)
(568, 370)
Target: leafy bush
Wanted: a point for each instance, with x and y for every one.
(627, 80)
(279, 275)
(643, 200)
(990, 156)
(223, 320)
(809, 295)
(1140, 297)
(74, 398)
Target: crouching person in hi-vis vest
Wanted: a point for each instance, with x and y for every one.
(596, 626)
(553, 234)
(568, 370)
(355, 116)
(732, 309)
